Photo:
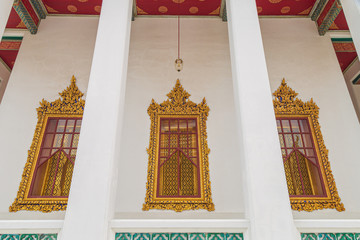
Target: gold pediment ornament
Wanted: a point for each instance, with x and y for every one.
(178, 105)
(70, 104)
(286, 103)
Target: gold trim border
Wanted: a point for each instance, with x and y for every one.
(287, 104)
(178, 105)
(70, 104)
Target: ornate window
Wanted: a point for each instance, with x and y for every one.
(310, 182)
(46, 179)
(178, 172)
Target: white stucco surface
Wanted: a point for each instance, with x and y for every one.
(4, 77)
(206, 73)
(354, 89)
(296, 52)
(45, 64)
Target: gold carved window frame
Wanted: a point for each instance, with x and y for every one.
(286, 104)
(69, 105)
(178, 105)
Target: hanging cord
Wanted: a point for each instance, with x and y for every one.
(178, 36)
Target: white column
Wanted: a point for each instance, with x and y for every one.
(266, 196)
(5, 8)
(92, 196)
(352, 14)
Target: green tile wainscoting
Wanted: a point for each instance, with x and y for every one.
(28, 236)
(330, 236)
(178, 236)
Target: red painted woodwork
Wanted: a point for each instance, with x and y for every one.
(295, 135)
(325, 12)
(9, 51)
(345, 59)
(61, 134)
(31, 11)
(82, 7)
(9, 57)
(14, 21)
(178, 129)
(340, 22)
(284, 7)
(178, 7)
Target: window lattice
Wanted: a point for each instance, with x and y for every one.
(178, 158)
(57, 157)
(302, 169)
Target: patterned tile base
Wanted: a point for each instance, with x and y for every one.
(28, 236)
(179, 236)
(330, 236)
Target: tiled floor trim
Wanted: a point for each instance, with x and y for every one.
(330, 236)
(28, 236)
(179, 236)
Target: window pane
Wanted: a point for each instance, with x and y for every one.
(75, 140)
(288, 140)
(281, 139)
(48, 140)
(307, 140)
(278, 126)
(45, 153)
(58, 140)
(183, 125)
(298, 140)
(51, 125)
(70, 126)
(183, 140)
(164, 125)
(295, 126)
(78, 125)
(61, 125)
(192, 125)
(173, 125)
(304, 125)
(67, 140)
(310, 153)
(286, 125)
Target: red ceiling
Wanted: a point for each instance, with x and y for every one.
(284, 7)
(345, 52)
(178, 7)
(14, 21)
(81, 7)
(340, 22)
(9, 51)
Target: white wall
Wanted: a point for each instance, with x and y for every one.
(354, 90)
(206, 73)
(296, 52)
(4, 77)
(44, 66)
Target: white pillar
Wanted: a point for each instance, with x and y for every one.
(92, 196)
(352, 15)
(266, 196)
(5, 9)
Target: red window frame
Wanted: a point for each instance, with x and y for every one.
(178, 149)
(47, 152)
(310, 152)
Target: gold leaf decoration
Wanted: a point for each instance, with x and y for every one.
(70, 104)
(179, 105)
(286, 103)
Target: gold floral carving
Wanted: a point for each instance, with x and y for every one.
(70, 104)
(287, 104)
(178, 105)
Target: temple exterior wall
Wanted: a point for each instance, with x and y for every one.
(45, 64)
(295, 51)
(152, 74)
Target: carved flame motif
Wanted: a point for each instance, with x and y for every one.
(178, 105)
(286, 103)
(70, 104)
